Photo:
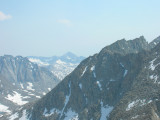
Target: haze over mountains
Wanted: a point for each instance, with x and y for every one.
(121, 82)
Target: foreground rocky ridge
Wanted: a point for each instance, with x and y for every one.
(119, 83)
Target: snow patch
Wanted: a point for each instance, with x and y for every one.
(24, 116)
(47, 113)
(60, 62)
(30, 85)
(38, 96)
(80, 85)
(135, 117)
(126, 71)
(16, 98)
(67, 99)
(49, 89)
(25, 97)
(31, 94)
(71, 115)
(152, 66)
(150, 101)
(99, 85)
(135, 103)
(38, 61)
(21, 85)
(93, 68)
(105, 111)
(155, 78)
(4, 109)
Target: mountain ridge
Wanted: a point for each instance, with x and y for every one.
(103, 86)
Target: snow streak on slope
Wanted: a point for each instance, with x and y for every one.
(84, 70)
(125, 71)
(66, 100)
(24, 116)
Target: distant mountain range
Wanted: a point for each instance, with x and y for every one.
(21, 82)
(59, 66)
(26, 79)
(121, 82)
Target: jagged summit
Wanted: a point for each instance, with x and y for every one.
(131, 46)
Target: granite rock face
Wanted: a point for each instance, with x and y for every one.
(119, 83)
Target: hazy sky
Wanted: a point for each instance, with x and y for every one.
(84, 27)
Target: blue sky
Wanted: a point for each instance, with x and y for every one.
(84, 27)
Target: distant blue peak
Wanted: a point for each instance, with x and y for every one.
(69, 54)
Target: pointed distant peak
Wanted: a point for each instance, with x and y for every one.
(69, 54)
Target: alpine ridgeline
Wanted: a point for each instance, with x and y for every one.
(59, 66)
(120, 83)
(22, 81)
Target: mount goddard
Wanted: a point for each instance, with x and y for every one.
(121, 82)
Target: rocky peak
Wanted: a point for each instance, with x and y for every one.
(124, 47)
(69, 54)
